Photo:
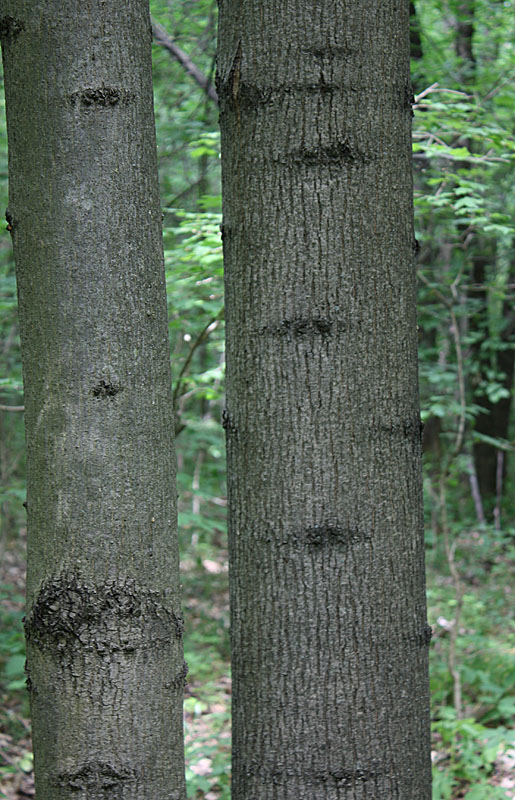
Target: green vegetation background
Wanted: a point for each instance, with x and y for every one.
(464, 152)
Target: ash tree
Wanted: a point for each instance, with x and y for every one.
(103, 625)
(328, 617)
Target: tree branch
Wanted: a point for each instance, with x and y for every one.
(198, 341)
(161, 37)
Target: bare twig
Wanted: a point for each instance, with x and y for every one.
(467, 159)
(198, 341)
(161, 37)
(450, 549)
(12, 408)
(503, 80)
(426, 91)
(435, 87)
(459, 589)
(459, 362)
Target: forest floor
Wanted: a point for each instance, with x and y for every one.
(207, 695)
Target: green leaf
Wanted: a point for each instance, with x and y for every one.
(500, 444)
(15, 666)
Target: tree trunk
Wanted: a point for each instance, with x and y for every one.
(465, 19)
(329, 632)
(105, 667)
(494, 419)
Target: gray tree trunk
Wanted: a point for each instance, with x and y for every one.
(329, 631)
(104, 628)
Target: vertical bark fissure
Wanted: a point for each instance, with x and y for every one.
(329, 633)
(105, 666)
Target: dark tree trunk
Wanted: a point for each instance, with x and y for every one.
(465, 13)
(329, 633)
(415, 41)
(494, 419)
(416, 52)
(104, 629)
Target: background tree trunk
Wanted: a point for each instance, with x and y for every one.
(494, 419)
(329, 633)
(103, 625)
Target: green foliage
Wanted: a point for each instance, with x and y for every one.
(471, 751)
(464, 152)
(12, 453)
(486, 662)
(13, 696)
(184, 115)
(469, 746)
(12, 643)
(193, 259)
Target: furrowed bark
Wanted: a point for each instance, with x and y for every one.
(329, 631)
(105, 665)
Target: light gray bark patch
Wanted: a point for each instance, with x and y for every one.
(113, 616)
(95, 776)
(329, 535)
(102, 96)
(104, 389)
(302, 326)
(10, 27)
